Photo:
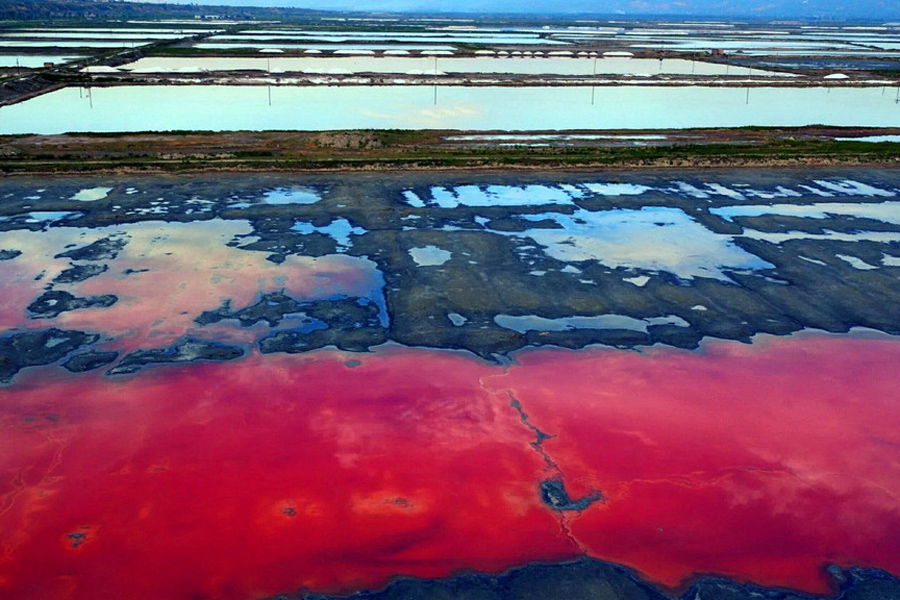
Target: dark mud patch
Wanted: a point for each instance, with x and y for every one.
(189, 350)
(853, 584)
(103, 249)
(36, 348)
(274, 235)
(591, 579)
(271, 308)
(52, 303)
(554, 495)
(88, 361)
(6, 254)
(585, 579)
(77, 273)
(496, 268)
(351, 324)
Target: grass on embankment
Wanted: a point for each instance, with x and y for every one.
(397, 149)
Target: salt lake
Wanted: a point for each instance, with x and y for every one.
(318, 108)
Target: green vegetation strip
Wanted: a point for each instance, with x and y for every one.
(197, 151)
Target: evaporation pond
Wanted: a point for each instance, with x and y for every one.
(256, 108)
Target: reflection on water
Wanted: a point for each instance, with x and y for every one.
(875, 139)
(887, 212)
(190, 262)
(31, 61)
(762, 462)
(191, 107)
(429, 256)
(336, 434)
(496, 195)
(649, 239)
(811, 47)
(339, 230)
(92, 194)
(293, 195)
(86, 43)
(525, 323)
(90, 35)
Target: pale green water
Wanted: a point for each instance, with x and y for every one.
(317, 108)
(30, 61)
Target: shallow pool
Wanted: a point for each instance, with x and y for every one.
(318, 108)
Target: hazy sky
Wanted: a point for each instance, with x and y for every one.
(824, 9)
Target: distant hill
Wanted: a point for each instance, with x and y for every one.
(65, 10)
(868, 10)
(829, 10)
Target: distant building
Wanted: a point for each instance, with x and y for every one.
(717, 52)
(48, 65)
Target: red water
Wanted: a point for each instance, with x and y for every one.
(758, 462)
(274, 473)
